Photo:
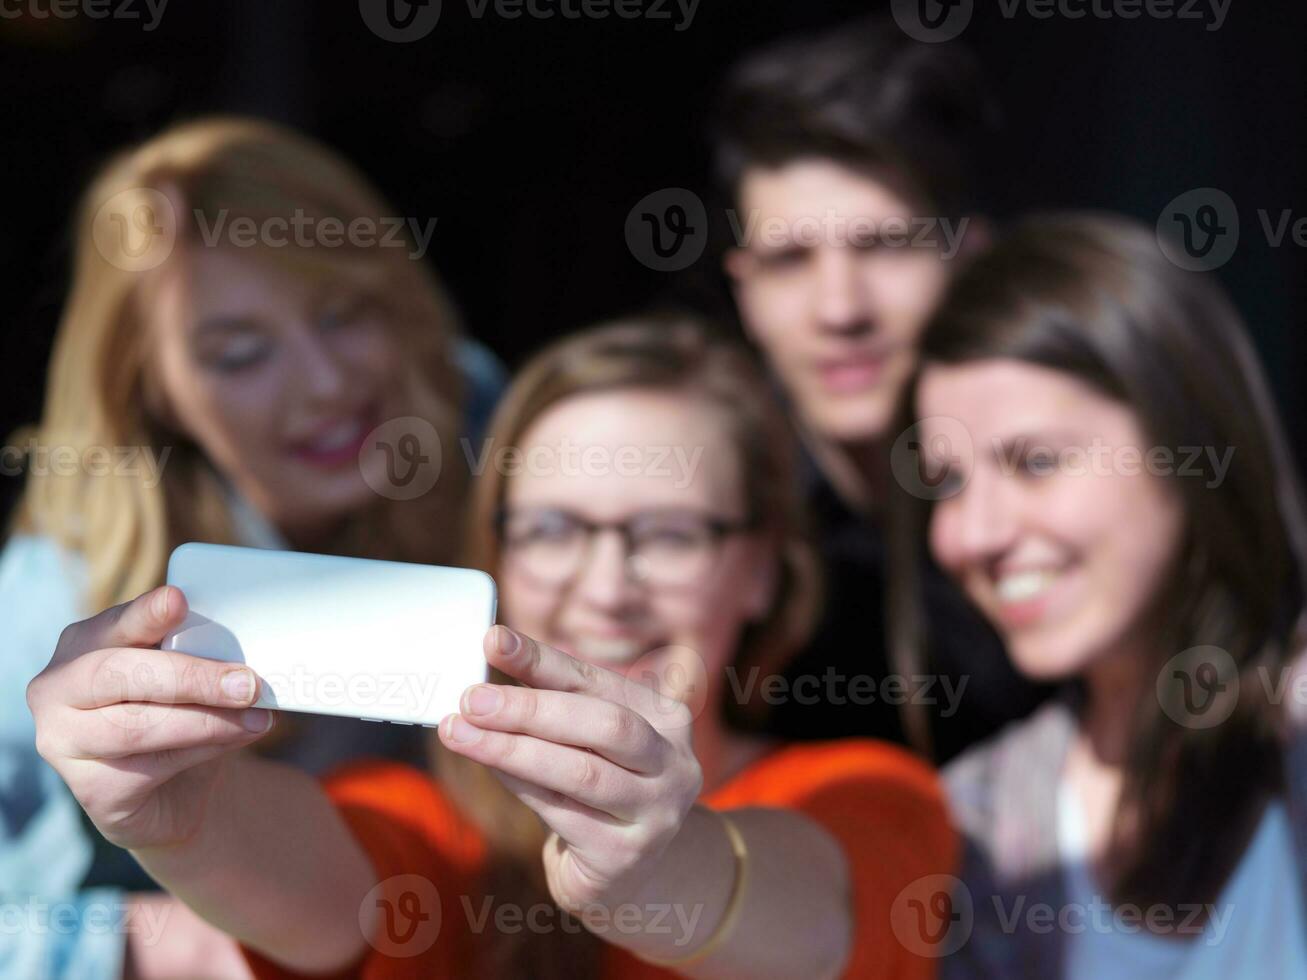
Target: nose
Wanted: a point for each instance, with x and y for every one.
(979, 523)
(840, 300)
(604, 580)
(323, 375)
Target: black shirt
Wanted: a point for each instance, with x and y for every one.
(842, 684)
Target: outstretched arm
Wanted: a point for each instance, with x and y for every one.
(147, 739)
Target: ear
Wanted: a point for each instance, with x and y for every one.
(735, 263)
(977, 236)
(738, 264)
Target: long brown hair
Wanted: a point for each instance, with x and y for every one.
(659, 353)
(1093, 296)
(100, 386)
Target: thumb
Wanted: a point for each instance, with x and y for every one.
(142, 622)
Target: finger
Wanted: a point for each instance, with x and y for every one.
(583, 776)
(579, 825)
(540, 666)
(142, 622)
(127, 729)
(613, 730)
(537, 665)
(159, 676)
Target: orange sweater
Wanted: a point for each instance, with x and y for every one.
(883, 805)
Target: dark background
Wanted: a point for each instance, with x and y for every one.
(530, 140)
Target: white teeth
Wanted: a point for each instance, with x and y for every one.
(1020, 586)
(337, 437)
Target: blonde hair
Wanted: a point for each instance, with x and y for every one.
(100, 386)
(673, 354)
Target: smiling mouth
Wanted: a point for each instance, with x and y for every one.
(608, 651)
(1023, 595)
(1023, 586)
(338, 443)
(853, 373)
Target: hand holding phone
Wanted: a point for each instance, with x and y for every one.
(141, 735)
(378, 640)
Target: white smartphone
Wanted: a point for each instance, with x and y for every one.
(377, 640)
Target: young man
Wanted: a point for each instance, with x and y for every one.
(847, 160)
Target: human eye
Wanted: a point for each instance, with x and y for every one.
(783, 259)
(544, 527)
(342, 311)
(1039, 462)
(237, 352)
(671, 532)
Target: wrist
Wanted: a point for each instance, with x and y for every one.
(679, 903)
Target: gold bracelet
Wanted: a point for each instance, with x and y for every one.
(734, 905)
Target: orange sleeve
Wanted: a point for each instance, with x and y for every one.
(886, 809)
(421, 850)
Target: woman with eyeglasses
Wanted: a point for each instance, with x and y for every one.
(638, 511)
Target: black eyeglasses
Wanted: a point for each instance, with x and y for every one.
(663, 549)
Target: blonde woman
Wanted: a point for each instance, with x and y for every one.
(243, 314)
(648, 532)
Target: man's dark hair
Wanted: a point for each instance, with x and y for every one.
(914, 115)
